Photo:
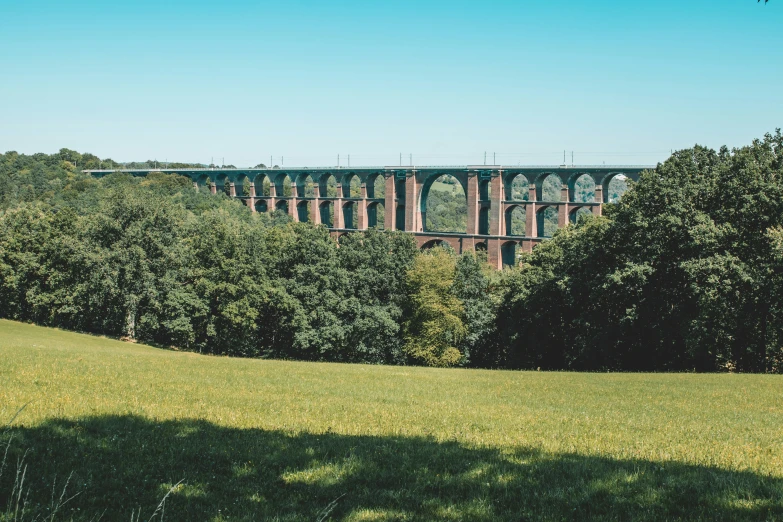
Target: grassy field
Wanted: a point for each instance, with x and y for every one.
(274, 440)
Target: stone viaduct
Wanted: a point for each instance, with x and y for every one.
(346, 199)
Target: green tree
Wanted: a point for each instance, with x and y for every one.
(682, 274)
(472, 287)
(434, 326)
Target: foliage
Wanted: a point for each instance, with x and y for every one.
(684, 274)
(151, 259)
(472, 286)
(447, 209)
(434, 327)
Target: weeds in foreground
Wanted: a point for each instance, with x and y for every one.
(18, 504)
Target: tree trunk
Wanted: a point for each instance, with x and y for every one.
(130, 320)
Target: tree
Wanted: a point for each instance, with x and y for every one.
(434, 325)
(472, 287)
(681, 274)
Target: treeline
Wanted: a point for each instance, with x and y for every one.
(684, 273)
(154, 260)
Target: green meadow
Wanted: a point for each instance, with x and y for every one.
(278, 440)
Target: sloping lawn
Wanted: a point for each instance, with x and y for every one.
(277, 440)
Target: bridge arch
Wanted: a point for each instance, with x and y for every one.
(546, 220)
(283, 186)
(262, 205)
(437, 242)
(399, 204)
(352, 185)
(263, 185)
(305, 185)
(484, 201)
(282, 205)
(203, 183)
(517, 187)
(303, 211)
(446, 211)
(376, 186)
(375, 215)
(222, 183)
(613, 185)
(516, 220)
(509, 253)
(350, 211)
(575, 212)
(581, 188)
(548, 187)
(326, 209)
(328, 186)
(241, 183)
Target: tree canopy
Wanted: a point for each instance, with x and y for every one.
(684, 272)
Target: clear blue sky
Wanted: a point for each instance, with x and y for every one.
(616, 82)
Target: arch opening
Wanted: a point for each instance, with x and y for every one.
(614, 185)
(582, 189)
(549, 187)
(242, 185)
(328, 186)
(204, 183)
(350, 209)
(518, 189)
(261, 206)
(223, 184)
(547, 221)
(282, 206)
(399, 212)
(576, 214)
(303, 211)
(436, 243)
(483, 224)
(305, 186)
(509, 253)
(352, 186)
(283, 187)
(263, 186)
(485, 190)
(516, 221)
(327, 214)
(376, 215)
(376, 187)
(444, 205)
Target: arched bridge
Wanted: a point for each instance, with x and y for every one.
(395, 198)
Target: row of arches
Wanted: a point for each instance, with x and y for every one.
(303, 186)
(546, 222)
(510, 250)
(350, 212)
(550, 187)
(445, 205)
(441, 198)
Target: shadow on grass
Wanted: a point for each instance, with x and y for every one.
(121, 463)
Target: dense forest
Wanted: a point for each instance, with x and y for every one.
(684, 272)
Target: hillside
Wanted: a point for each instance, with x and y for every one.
(276, 440)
